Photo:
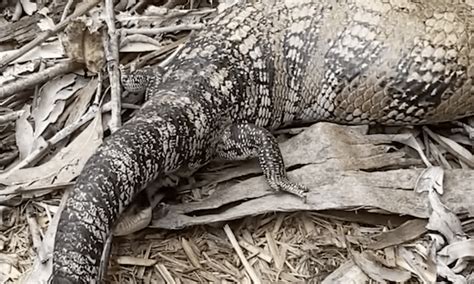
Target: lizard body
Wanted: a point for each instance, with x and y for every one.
(262, 66)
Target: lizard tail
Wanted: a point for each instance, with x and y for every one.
(111, 178)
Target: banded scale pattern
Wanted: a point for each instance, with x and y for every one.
(262, 66)
(243, 141)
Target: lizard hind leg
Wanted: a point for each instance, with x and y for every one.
(244, 141)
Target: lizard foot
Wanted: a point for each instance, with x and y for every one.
(290, 187)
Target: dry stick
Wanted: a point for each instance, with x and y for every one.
(165, 273)
(441, 140)
(140, 38)
(46, 250)
(142, 61)
(104, 259)
(171, 57)
(35, 188)
(18, 11)
(68, 130)
(160, 14)
(169, 29)
(46, 34)
(66, 9)
(238, 250)
(36, 94)
(137, 6)
(34, 229)
(112, 56)
(12, 116)
(37, 78)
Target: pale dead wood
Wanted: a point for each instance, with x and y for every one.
(442, 141)
(67, 7)
(128, 260)
(243, 259)
(34, 230)
(256, 251)
(140, 62)
(338, 164)
(12, 116)
(157, 14)
(155, 31)
(190, 253)
(165, 273)
(111, 46)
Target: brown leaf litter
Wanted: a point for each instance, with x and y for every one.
(372, 214)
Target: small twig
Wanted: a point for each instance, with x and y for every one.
(65, 132)
(442, 141)
(20, 189)
(240, 253)
(142, 61)
(12, 116)
(104, 259)
(18, 11)
(46, 34)
(66, 9)
(34, 229)
(188, 251)
(98, 91)
(37, 274)
(139, 38)
(467, 127)
(112, 55)
(170, 29)
(41, 68)
(37, 78)
(171, 57)
(158, 14)
(137, 6)
(165, 273)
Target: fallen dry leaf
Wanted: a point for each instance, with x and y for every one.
(52, 100)
(24, 133)
(349, 272)
(128, 260)
(443, 220)
(416, 264)
(457, 250)
(64, 166)
(430, 179)
(408, 231)
(376, 270)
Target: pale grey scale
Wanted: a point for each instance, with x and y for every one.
(300, 45)
(244, 141)
(423, 89)
(346, 62)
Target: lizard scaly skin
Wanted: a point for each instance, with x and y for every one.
(259, 67)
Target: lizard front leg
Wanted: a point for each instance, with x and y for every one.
(244, 141)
